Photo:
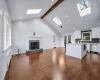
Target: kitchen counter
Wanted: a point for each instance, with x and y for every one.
(76, 50)
(94, 43)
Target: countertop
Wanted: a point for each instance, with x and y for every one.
(75, 44)
(94, 43)
(83, 43)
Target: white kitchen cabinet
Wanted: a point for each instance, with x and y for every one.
(94, 47)
(77, 34)
(99, 48)
(88, 47)
(96, 32)
(75, 48)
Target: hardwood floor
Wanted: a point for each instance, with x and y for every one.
(54, 65)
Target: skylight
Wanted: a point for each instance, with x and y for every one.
(34, 11)
(84, 8)
(57, 21)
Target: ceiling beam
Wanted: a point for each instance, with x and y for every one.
(52, 8)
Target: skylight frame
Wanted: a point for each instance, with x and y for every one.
(86, 10)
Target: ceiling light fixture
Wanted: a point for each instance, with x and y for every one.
(34, 11)
(21, 17)
(0, 11)
(39, 15)
(84, 26)
(57, 21)
(74, 29)
(67, 16)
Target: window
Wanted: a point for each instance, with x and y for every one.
(57, 21)
(7, 34)
(86, 36)
(84, 8)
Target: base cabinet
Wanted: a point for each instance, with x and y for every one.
(95, 48)
(99, 48)
(88, 47)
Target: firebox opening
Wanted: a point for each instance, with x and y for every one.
(33, 44)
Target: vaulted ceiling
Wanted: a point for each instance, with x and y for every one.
(18, 8)
(67, 12)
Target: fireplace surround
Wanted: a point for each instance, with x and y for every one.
(34, 45)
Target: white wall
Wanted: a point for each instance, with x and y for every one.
(3, 57)
(25, 28)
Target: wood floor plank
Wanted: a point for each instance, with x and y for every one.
(53, 65)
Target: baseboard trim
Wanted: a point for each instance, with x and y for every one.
(15, 54)
(2, 79)
(4, 76)
(8, 67)
(92, 52)
(9, 64)
(61, 47)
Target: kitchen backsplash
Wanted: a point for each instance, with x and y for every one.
(94, 40)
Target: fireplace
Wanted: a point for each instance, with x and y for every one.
(34, 44)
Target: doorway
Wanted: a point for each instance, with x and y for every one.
(65, 42)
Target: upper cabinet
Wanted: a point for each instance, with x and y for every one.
(77, 34)
(96, 32)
